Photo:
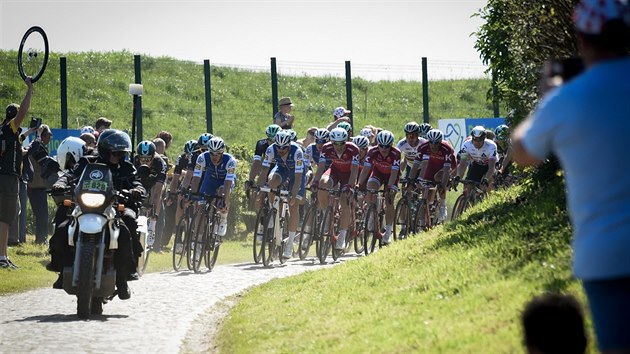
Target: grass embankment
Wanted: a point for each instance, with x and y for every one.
(458, 288)
(31, 260)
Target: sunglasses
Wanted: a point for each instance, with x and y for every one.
(339, 143)
(384, 146)
(216, 153)
(283, 147)
(119, 154)
(145, 158)
(320, 141)
(435, 142)
(478, 139)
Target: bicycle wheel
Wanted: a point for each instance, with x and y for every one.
(334, 236)
(33, 54)
(422, 214)
(191, 237)
(199, 247)
(326, 228)
(359, 228)
(212, 245)
(259, 235)
(401, 219)
(269, 242)
(457, 207)
(179, 245)
(370, 230)
(307, 231)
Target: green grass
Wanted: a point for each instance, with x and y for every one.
(458, 288)
(31, 260)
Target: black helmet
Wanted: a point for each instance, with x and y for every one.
(112, 140)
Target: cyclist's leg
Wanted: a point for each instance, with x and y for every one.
(344, 218)
(322, 195)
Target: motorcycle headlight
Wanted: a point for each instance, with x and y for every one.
(92, 200)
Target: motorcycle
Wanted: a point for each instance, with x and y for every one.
(93, 231)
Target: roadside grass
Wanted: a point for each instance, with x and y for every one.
(32, 259)
(458, 288)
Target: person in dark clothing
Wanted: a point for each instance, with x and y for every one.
(113, 147)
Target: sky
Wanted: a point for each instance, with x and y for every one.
(382, 39)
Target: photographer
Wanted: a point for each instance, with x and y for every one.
(11, 168)
(585, 124)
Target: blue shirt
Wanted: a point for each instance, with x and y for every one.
(224, 171)
(294, 160)
(586, 124)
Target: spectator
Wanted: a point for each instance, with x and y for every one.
(11, 168)
(17, 229)
(310, 137)
(593, 108)
(339, 115)
(87, 129)
(284, 118)
(90, 140)
(38, 160)
(160, 149)
(167, 137)
(369, 131)
(101, 124)
(554, 323)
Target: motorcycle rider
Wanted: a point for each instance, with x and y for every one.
(113, 146)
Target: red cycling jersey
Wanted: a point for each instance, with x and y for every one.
(339, 164)
(436, 160)
(382, 164)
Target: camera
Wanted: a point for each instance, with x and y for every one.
(558, 71)
(35, 122)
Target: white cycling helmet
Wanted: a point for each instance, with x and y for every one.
(412, 128)
(70, 147)
(478, 132)
(435, 136)
(385, 138)
(216, 144)
(322, 134)
(282, 138)
(361, 141)
(424, 129)
(338, 135)
(293, 134)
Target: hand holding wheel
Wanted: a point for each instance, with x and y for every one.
(33, 54)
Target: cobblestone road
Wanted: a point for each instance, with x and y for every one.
(161, 310)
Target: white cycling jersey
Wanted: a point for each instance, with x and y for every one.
(409, 152)
(481, 156)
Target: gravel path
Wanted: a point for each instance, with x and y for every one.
(158, 317)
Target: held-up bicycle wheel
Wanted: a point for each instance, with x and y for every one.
(33, 54)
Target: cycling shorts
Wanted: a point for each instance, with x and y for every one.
(287, 174)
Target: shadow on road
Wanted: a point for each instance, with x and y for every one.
(58, 317)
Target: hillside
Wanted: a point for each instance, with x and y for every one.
(241, 100)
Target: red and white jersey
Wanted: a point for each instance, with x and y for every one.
(380, 163)
(340, 163)
(408, 151)
(443, 156)
(481, 156)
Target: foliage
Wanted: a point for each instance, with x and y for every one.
(517, 38)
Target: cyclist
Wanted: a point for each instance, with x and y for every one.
(363, 143)
(479, 155)
(312, 152)
(504, 148)
(259, 153)
(179, 173)
(151, 169)
(289, 166)
(219, 177)
(343, 158)
(382, 165)
(434, 156)
(347, 127)
(409, 146)
(202, 146)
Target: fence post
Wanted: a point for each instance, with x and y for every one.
(138, 71)
(349, 93)
(274, 87)
(63, 78)
(425, 91)
(495, 95)
(206, 74)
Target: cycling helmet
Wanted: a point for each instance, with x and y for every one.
(424, 129)
(216, 144)
(282, 138)
(87, 129)
(146, 148)
(385, 138)
(435, 136)
(204, 139)
(293, 134)
(271, 130)
(189, 147)
(346, 126)
(478, 132)
(70, 147)
(501, 132)
(322, 134)
(112, 140)
(412, 127)
(361, 141)
(338, 134)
